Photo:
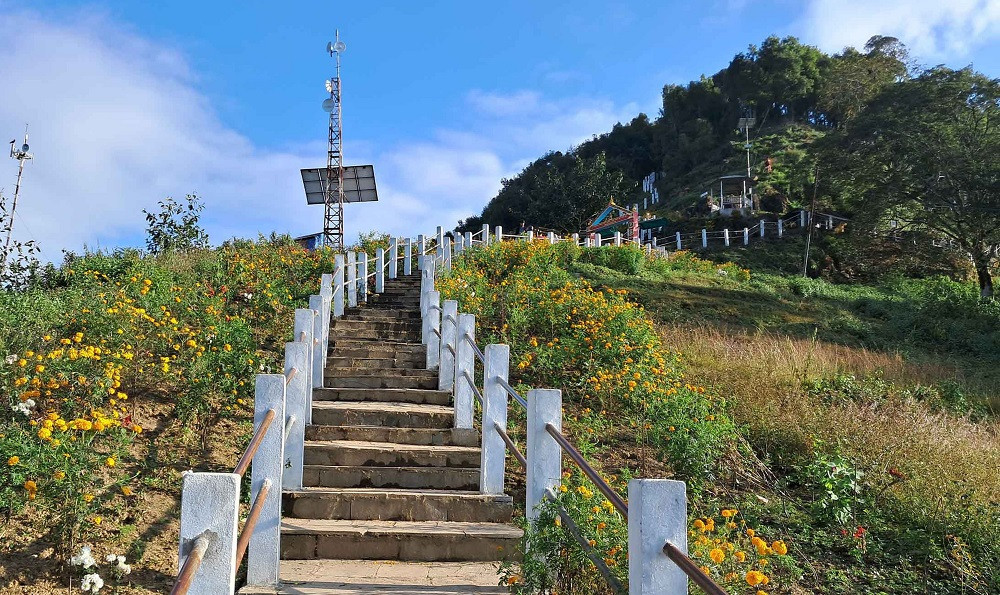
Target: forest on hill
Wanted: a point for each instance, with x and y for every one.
(867, 133)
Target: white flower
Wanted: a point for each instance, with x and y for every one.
(111, 557)
(723, 272)
(84, 559)
(10, 359)
(92, 582)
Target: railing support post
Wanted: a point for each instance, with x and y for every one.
(543, 452)
(379, 270)
(318, 349)
(426, 287)
(264, 550)
(552, 237)
(433, 321)
(337, 290)
(704, 238)
(725, 235)
(421, 248)
(597, 240)
(678, 235)
(657, 514)
(486, 234)
(802, 219)
(465, 361)
(498, 233)
(781, 227)
(493, 454)
(449, 328)
(576, 239)
(531, 236)
(296, 399)
(407, 256)
(352, 279)
(468, 239)
(363, 277)
(459, 243)
(393, 258)
(761, 228)
(618, 238)
(326, 292)
(746, 236)
(447, 254)
(210, 503)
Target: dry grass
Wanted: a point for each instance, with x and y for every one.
(949, 462)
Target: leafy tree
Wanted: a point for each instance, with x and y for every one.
(176, 227)
(855, 78)
(926, 152)
(18, 263)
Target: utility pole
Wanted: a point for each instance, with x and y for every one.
(21, 155)
(809, 222)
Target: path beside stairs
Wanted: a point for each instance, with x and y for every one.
(391, 502)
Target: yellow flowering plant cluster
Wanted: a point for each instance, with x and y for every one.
(82, 357)
(735, 555)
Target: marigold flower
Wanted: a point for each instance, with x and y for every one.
(779, 547)
(754, 578)
(110, 462)
(88, 497)
(13, 460)
(717, 555)
(59, 475)
(30, 485)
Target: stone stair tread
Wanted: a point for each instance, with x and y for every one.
(390, 406)
(388, 577)
(463, 494)
(390, 446)
(442, 528)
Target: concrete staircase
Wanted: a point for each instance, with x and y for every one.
(387, 476)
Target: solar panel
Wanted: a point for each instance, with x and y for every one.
(359, 184)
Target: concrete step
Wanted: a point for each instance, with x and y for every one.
(348, 453)
(383, 395)
(394, 415)
(357, 380)
(384, 577)
(397, 505)
(399, 335)
(376, 344)
(424, 541)
(347, 325)
(408, 360)
(426, 436)
(419, 478)
(351, 372)
(379, 315)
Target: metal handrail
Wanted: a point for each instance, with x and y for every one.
(691, 569)
(573, 529)
(435, 307)
(251, 522)
(191, 564)
(589, 471)
(512, 392)
(472, 383)
(476, 349)
(449, 348)
(449, 316)
(436, 332)
(290, 374)
(510, 445)
(258, 436)
(288, 425)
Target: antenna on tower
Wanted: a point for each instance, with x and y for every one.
(21, 155)
(333, 200)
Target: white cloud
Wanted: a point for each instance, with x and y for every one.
(932, 29)
(117, 122)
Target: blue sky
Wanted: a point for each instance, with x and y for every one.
(132, 101)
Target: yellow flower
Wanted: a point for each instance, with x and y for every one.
(45, 434)
(754, 578)
(88, 497)
(97, 520)
(110, 462)
(59, 475)
(13, 460)
(39, 368)
(717, 555)
(30, 485)
(740, 556)
(126, 490)
(699, 524)
(779, 548)
(137, 428)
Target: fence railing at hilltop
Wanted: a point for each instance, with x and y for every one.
(212, 543)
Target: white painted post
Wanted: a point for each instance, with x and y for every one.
(421, 248)
(552, 237)
(486, 234)
(679, 241)
(304, 330)
(494, 451)
(337, 288)
(393, 258)
(352, 279)
(297, 358)
(618, 238)
(363, 278)
(447, 254)
(380, 271)
(210, 504)
(468, 239)
(761, 228)
(657, 514)
(725, 235)
(543, 452)
(318, 352)
(531, 236)
(498, 233)
(433, 320)
(704, 238)
(649, 249)
(449, 328)
(576, 239)
(781, 228)
(407, 256)
(326, 292)
(588, 242)
(439, 236)
(465, 362)
(597, 240)
(264, 551)
(829, 221)
(426, 286)
(459, 244)
(802, 219)
(746, 236)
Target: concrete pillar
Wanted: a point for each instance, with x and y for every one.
(829, 221)
(725, 235)
(439, 236)
(679, 241)
(421, 248)
(704, 238)
(781, 228)
(433, 321)
(761, 228)
(363, 278)
(802, 218)
(531, 236)
(407, 256)
(597, 240)
(263, 551)
(210, 504)
(465, 362)
(588, 242)
(319, 349)
(326, 292)
(393, 257)
(447, 254)
(459, 244)
(380, 271)
(552, 237)
(493, 455)
(352, 279)
(468, 239)
(296, 400)
(338, 285)
(657, 514)
(576, 239)
(449, 329)
(426, 286)
(498, 233)
(618, 238)
(746, 236)
(543, 452)
(486, 234)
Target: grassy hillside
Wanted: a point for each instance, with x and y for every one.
(852, 424)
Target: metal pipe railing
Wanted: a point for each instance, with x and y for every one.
(191, 564)
(512, 392)
(288, 425)
(251, 522)
(589, 471)
(258, 436)
(570, 526)
(510, 445)
(290, 374)
(475, 349)
(472, 383)
(450, 348)
(691, 569)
